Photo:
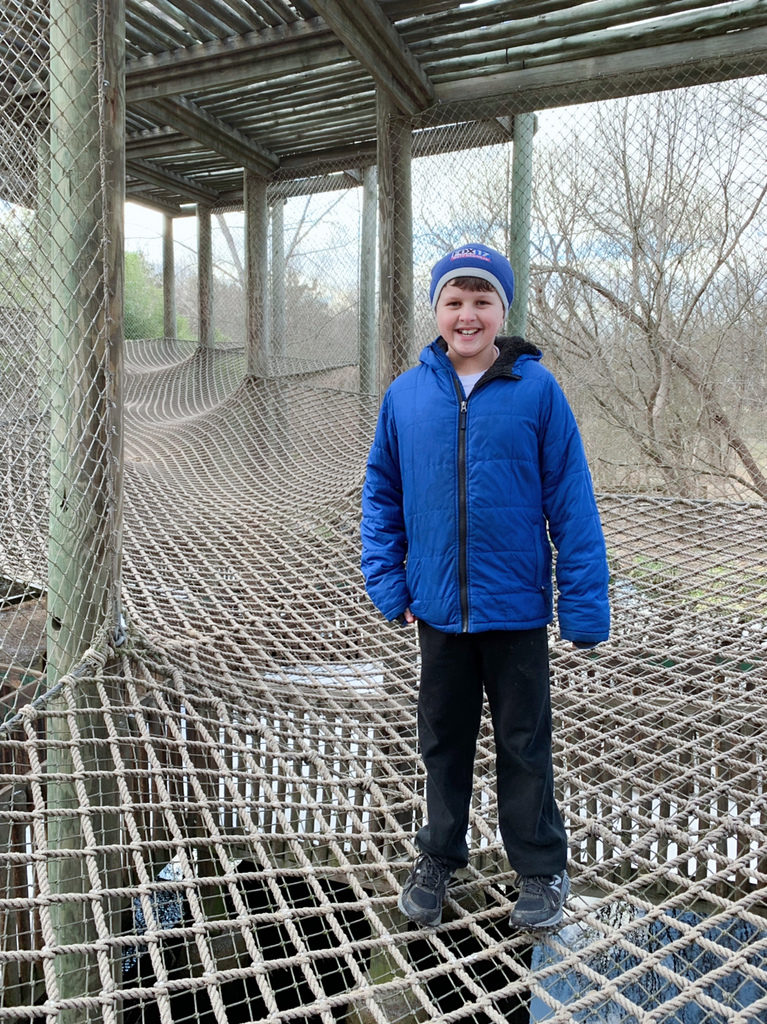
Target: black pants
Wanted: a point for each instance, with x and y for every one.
(513, 668)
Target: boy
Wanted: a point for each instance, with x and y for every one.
(476, 461)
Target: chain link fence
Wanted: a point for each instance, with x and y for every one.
(204, 816)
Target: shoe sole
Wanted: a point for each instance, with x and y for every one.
(424, 921)
(549, 923)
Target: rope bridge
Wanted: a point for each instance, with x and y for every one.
(246, 782)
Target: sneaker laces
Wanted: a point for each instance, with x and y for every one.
(537, 885)
(430, 871)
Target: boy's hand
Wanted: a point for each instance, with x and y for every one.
(406, 618)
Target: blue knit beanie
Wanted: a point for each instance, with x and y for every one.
(474, 260)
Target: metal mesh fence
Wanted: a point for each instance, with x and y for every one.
(208, 818)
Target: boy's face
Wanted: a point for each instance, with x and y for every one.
(469, 322)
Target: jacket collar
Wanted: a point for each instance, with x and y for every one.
(509, 351)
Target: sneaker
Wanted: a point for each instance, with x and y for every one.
(422, 894)
(541, 901)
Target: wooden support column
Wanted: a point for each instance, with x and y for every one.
(278, 332)
(521, 201)
(204, 277)
(395, 243)
(257, 268)
(43, 263)
(368, 357)
(170, 323)
(85, 491)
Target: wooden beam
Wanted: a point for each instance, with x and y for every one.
(137, 194)
(371, 38)
(178, 183)
(395, 243)
(256, 259)
(255, 57)
(204, 277)
(521, 204)
(278, 332)
(189, 119)
(367, 315)
(674, 65)
(170, 324)
(87, 114)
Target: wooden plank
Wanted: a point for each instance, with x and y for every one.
(593, 77)
(209, 131)
(253, 57)
(178, 184)
(370, 37)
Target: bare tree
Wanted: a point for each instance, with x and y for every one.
(650, 278)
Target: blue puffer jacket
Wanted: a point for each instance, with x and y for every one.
(459, 494)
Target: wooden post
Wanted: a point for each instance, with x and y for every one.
(170, 326)
(521, 201)
(256, 265)
(278, 333)
(395, 320)
(367, 321)
(87, 106)
(43, 263)
(204, 277)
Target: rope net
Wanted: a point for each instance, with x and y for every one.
(207, 817)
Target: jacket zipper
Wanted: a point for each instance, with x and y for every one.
(463, 557)
(463, 572)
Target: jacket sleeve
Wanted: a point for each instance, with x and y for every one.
(384, 542)
(574, 525)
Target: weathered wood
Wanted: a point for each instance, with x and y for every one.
(84, 546)
(599, 76)
(395, 245)
(209, 131)
(278, 327)
(204, 277)
(256, 56)
(521, 204)
(188, 189)
(170, 325)
(369, 36)
(256, 262)
(367, 313)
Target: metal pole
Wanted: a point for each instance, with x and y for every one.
(521, 202)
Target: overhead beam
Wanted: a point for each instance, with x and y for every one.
(210, 132)
(645, 69)
(179, 184)
(137, 194)
(369, 36)
(253, 57)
